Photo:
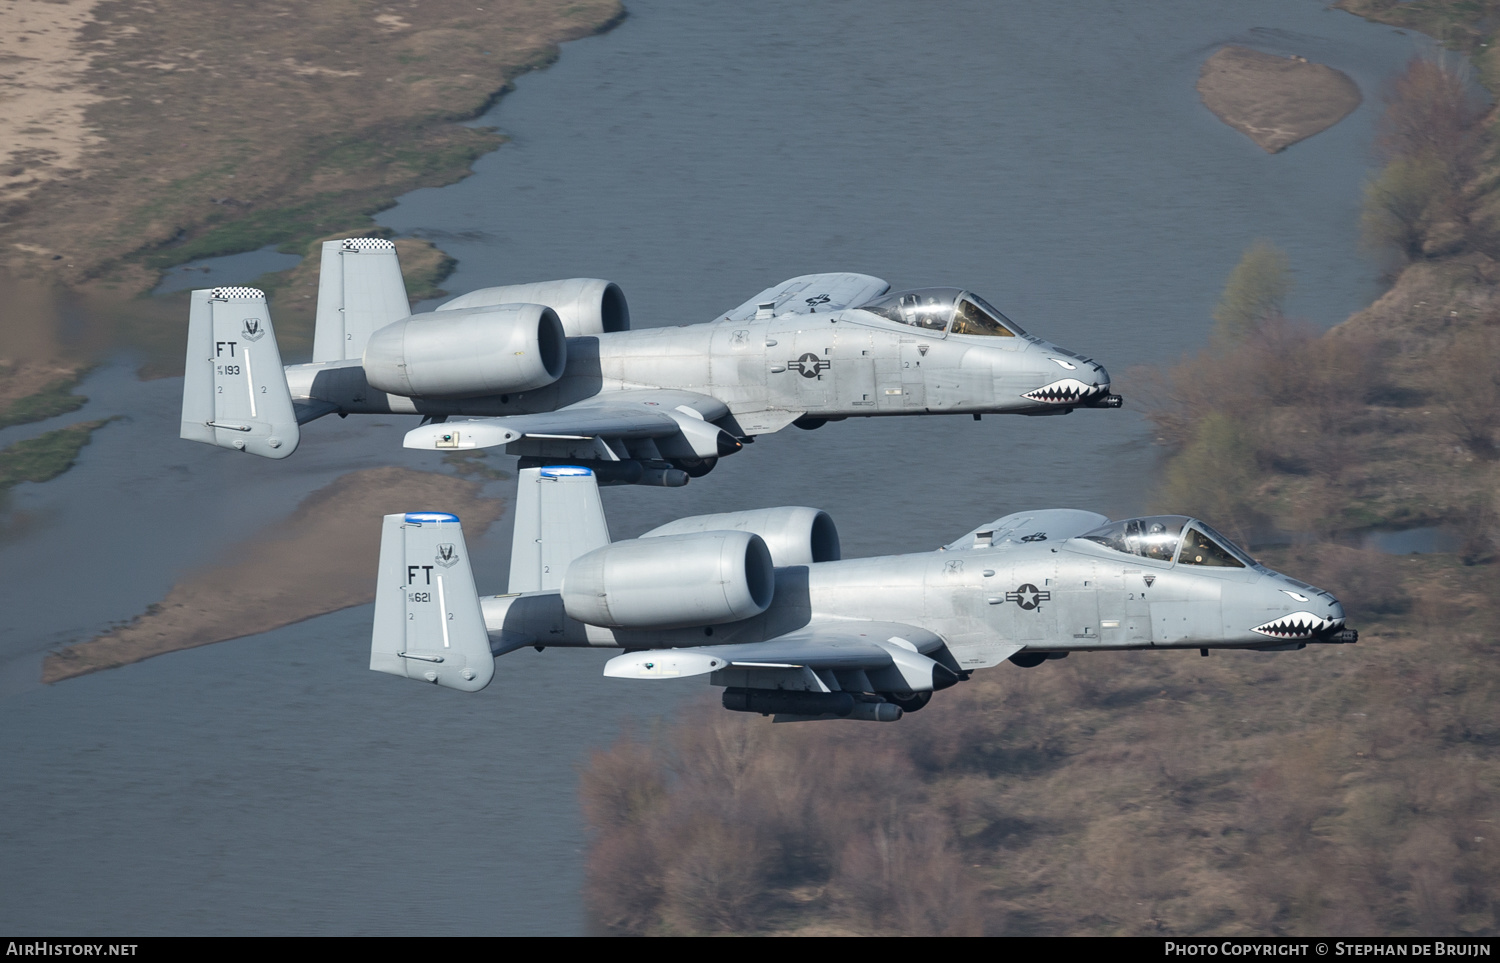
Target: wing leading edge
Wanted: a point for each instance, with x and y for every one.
(1050, 524)
(616, 415)
(826, 656)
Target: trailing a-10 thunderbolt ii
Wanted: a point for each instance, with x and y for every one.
(761, 603)
(552, 371)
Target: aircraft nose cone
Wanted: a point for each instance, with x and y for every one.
(1313, 599)
(1302, 612)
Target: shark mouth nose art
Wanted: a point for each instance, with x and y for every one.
(1298, 625)
(1069, 391)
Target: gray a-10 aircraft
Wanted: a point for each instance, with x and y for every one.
(553, 372)
(761, 603)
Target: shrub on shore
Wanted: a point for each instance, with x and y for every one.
(1255, 293)
(1422, 202)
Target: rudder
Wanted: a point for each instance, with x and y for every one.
(360, 289)
(234, 390)
(428, 621)
(558, 518)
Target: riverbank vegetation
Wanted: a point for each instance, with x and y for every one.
(1390, 419)
(45, 457)
(300, 121)
(159, 136)
(1335, 790)
(54, 398)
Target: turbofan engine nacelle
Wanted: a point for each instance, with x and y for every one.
(585, 305)
(794, 536)
(464, 353)
(703, 578)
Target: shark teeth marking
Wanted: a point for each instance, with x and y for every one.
(1298, 625)
(1069, 391)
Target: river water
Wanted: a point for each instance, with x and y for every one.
(1055, 160)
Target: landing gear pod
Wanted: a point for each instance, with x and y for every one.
(586, 306)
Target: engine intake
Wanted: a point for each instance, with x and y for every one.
(704, 578)
(794, 535)
(586, 306)
(464, 353)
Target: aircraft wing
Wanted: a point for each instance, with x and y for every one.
(1046, 525)
(613, 415)
(810, 293)
(820, 646)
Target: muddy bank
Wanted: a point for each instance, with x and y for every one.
(318, 560)
(140, 134)
(1275, 101)
(190, 139)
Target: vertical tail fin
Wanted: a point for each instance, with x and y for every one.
(234, 390)
(558, 518)
(428, 623)
(360, 289)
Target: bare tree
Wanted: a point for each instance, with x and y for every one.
(1432, 139)
(1433, 109)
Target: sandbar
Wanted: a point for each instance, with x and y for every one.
(319, 559)
(1275, 101)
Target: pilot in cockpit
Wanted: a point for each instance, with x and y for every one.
(1159, 543)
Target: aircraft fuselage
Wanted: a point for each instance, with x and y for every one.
(770, 372)
(1053, 597)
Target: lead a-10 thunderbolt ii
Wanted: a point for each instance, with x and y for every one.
(760, 602)
(552, 371)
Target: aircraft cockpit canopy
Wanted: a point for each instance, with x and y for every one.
(944, 309)
(1168, 537)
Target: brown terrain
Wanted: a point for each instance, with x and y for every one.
(139, 134)
(136, 135)
(217, 127)
(1275, 101)
(318, 560)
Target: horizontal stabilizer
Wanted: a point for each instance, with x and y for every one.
(312, 410)
(428, 623)
(234, 390)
